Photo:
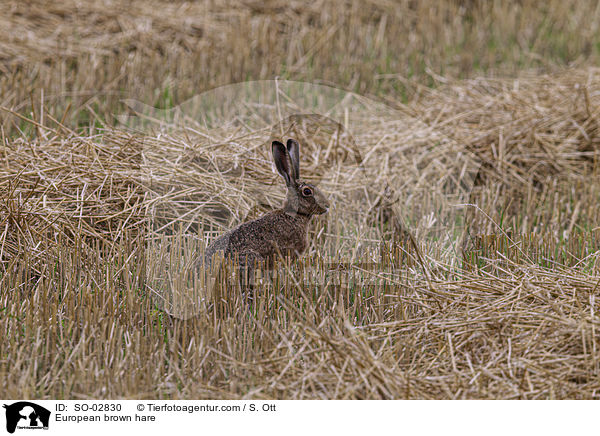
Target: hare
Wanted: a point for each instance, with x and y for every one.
(281, 232)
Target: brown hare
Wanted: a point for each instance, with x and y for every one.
(283, 232)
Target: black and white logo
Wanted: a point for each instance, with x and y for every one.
(26, 415)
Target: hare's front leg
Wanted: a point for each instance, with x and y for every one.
(247, 276)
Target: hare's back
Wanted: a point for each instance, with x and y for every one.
(262, 238)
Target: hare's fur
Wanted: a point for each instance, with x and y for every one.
(283, 232)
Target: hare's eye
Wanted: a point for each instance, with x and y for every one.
(307, 192)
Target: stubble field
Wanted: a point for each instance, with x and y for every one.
(460, 258)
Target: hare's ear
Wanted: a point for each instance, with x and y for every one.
(283, 162)
(294, 151)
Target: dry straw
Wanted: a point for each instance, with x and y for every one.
(516, 318)
(91, 212)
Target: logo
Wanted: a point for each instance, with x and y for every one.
(26, 415)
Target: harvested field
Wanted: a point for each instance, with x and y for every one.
(460, 258)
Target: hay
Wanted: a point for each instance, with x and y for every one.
(496, 301)
(519, 321)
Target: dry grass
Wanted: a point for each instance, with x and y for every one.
(89, 55)
(91, 221)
